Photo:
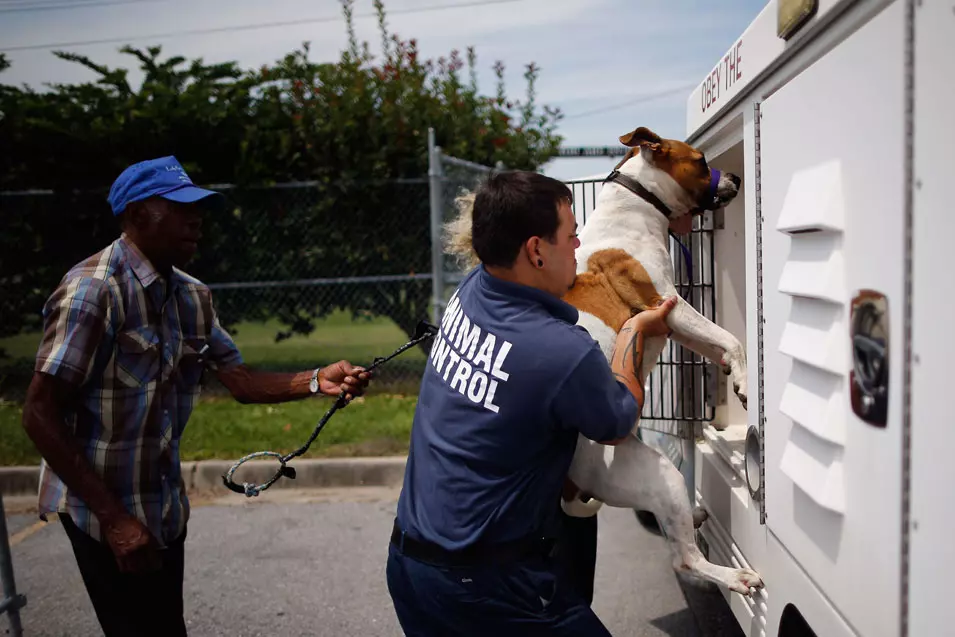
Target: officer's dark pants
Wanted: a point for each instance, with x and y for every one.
(577, 554)
(524, 597)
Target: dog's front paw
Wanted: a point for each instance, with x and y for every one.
(740, 388)
(744, 580)
(734, 365)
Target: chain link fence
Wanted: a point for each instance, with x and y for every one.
(449, 178)
(302, 274)
(335, 271)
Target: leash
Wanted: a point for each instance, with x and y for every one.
(423, 331)
(688, 261)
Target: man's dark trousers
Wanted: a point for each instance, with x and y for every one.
(128, 604)
(577, 554)
(520, 598)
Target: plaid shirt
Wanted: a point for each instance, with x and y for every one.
(133, 342)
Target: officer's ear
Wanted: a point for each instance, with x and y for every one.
(532, 252)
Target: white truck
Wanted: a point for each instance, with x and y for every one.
(835, 485)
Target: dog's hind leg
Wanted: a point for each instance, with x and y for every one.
(642, 478)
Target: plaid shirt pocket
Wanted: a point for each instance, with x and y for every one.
(137, 357)
(191, 363)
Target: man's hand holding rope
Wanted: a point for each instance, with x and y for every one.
(343, 377)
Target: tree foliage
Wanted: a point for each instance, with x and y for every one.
(357, 128)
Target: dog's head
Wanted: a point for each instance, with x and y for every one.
(677, 173)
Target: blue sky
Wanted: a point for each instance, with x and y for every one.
(595, 55)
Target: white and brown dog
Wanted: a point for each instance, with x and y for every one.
(624, 266)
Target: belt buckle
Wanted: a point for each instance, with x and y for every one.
(398, 541)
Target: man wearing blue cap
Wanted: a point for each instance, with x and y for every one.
(126, 337)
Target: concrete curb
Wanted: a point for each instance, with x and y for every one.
(206, 475)
(19, 480)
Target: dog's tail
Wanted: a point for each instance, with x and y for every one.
(457, 233)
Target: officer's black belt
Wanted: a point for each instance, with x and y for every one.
(475, 555)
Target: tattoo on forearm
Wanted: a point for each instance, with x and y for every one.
(637, 349)
(630, 354)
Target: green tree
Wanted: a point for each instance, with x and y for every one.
(356, 129)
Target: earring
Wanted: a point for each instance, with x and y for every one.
(540, 263)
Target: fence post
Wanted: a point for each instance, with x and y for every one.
(11, 603)
(436, 190)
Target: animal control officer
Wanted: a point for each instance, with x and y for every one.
(510, 383)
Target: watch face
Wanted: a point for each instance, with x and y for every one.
(313, 386)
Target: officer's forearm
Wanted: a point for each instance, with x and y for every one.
(43, 422)
(626, 361)
(253, 386)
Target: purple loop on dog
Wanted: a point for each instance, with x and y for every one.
(714, 181)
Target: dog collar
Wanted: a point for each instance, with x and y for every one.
(639, 190)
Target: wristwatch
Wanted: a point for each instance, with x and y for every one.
(313, 384)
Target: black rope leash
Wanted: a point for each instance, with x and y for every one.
(423, 331)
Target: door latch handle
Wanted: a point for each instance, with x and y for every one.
(869, 376)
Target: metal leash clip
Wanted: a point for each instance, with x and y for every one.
(423, 331)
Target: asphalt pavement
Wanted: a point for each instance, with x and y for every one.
(312, 563)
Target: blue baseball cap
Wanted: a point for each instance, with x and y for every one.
(163, 177)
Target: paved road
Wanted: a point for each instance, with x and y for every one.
(312, 563)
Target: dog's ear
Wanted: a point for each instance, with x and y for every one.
(642, 137)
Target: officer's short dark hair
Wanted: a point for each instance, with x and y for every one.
(511, 207)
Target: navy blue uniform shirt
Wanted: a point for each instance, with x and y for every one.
(510, 383)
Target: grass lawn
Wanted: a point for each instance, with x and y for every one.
(222, 428)
(335, 337)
